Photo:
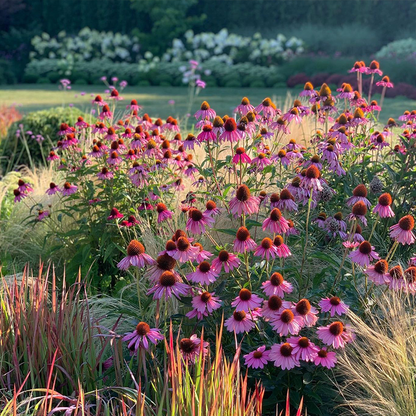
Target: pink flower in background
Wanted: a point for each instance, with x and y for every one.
(241, 156)
(198, 221)
(206, 302)
(266, 249)
(287, 322)
(378, 273)
(114, 214)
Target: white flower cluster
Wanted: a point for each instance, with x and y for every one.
(402, 49)
(230, 48)
(87, 45)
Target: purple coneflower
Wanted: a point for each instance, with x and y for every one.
(239, 322)
(244, 107)
(277, 286)
(241, 156)
(246, 301)
(333, 305)
(282, 249)
(311, 180)
(230, 133)
(198, 221)
(397, 279)
(303, 348)
(258, 358)
(266, 249)
(286, 201)
(226, 260)
(167, 286)
(402, 231)
(243, 241)
(141, 336)
(379, 273)
(364, 255)
(184, 250)
(114, 214)
(68, 189)
(359, 210)
(267, 107)
(359, 194)
(244, 202)
(383, 208)
(325, 358)
(163, 212)
(206, 302)
(190, 348)
(307, 312)
(276, 223)
(205, 112)
(204, 274)
(283, 356)
(335, 334)
(211, 209)
(286, 322)
(136, 256)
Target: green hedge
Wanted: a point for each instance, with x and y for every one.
(221, 75)
(46, 123)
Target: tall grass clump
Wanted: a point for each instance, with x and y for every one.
(379, 369)
(48, 338)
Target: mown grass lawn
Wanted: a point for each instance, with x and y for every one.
(155, 100)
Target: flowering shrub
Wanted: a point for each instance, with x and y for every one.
(87, 45)
(403, 49)
(279, 220)
(231, 48)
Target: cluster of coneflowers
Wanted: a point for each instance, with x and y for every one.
(243, 155)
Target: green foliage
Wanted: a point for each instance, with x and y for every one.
(15, 148)
(7, 75)
(346, 39)
(163, 20)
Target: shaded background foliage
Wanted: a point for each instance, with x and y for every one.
(157, 22)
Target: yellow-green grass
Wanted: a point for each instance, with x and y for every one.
(155, 100)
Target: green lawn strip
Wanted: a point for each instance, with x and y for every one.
(155, 100)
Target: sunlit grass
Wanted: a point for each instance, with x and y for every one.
(155, 100)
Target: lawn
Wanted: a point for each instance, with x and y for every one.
(155, 100)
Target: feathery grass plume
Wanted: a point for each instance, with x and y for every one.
(379, 370)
